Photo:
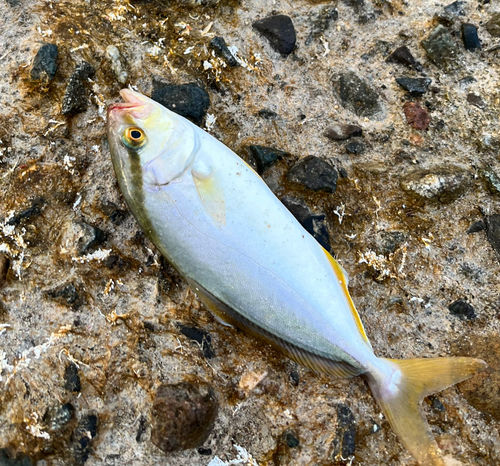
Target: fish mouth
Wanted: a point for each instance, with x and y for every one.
(136, 105)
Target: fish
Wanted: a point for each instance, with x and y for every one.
(255, 267)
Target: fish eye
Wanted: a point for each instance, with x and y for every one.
(134, 137)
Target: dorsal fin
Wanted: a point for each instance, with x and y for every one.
(344, 281)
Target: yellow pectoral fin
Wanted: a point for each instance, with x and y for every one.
(211, 194)
(344, 280)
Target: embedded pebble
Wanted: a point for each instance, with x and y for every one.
(279, 31)
(187, 100)
(357, 95)
(344, 443)
(265, 157)
(44, 66)
(492, 180)
(82, 438)
(291, 439)
(67, 294)
(75, 98)
(462, 309)
(342, 132)
(386, 242)
(89, 238)
(202, 337)
(72, 378)
(416, 116)
(493, 231)
(470, 37)
(218, 44)
(313, 223)
(441, 48)
(267, 113)
(476, 100)
(476, 227)
(442, 183)
(182, 417)
(315, 174)
(57, 417)
(455, 8)
(493, 25)
(415, 86)
(33, 210)
(403, 56)
(355, 147)
(117, 66)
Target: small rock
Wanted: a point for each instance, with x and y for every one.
(57, 417)
(19, 460)
(441, 49)
(493, 231)
(82, 438)
(279, 31)
(141, 429)
(470, 37)
(493, 25)
(187, 100)
(68, 294)
(291, 439)
(204, 451)
(33, 210)
(344, 444)
(386, 242)
(314, 174)
(267, 114)
(221, 49)
(342, 132)
(294, 378)
(476, 100)
(182, 418)
(44, 66)
(265, 157)
(4, 268)
(200, 336)
(416, 116)
(117, 66)
(476, 227)
(455, 8)
(492, 180)
(355, 147)
(314, 224)
(403, 56)
(321, 22)
(442, 183)
(356, 95)
(75, 98)
(436, 404)
(415, 86)
(462, 309)
(72, 378)
(89, 238)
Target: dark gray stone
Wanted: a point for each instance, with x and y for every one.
(279, 31)
(90, 238)
(182, 417)
(221, 49)
(476, 227)
(476, 100)
(265, 157)
(34, 210)
(267, 114)
(470, 37)
(493, 231)
(492, 180)
(45, 64)
(442, 183)
(441, 48)
(67, 294)
(72, 378)
(314, 174)
(342, 132)
(313, 223)
(415, 86)
(386, 242)
(187, 100)
(82, 438)
(75, 98)
(291, 439)
(344, 443)
(493, 25)
(403, 56)
(202, 337)
(455, 8)
(57, 417)
(356, 95)
(462, 309)
(355, 147)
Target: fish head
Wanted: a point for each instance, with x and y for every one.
(147, 139)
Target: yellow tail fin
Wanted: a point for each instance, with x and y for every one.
(401, 388)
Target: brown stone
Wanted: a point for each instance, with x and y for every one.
(182, 417)
(416, 116)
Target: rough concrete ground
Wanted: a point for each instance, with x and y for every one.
(84, 287)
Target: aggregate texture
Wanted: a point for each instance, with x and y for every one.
(92, 319)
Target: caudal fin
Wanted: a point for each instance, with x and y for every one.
(402, 387)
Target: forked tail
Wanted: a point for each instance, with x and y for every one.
(401, 386)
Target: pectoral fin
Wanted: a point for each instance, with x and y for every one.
(210, 192)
